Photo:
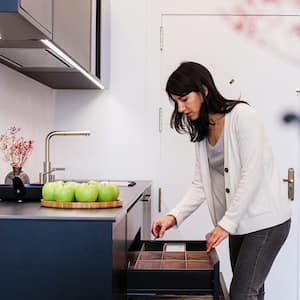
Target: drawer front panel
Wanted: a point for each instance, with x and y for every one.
(173, 267)
(134, 222)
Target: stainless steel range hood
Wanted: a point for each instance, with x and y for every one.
(31, 51)
(32, 58)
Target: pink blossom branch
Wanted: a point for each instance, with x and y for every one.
(16, 150)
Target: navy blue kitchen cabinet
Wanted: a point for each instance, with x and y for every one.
(55, 254)
(58, 259)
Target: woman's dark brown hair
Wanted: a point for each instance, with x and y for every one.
(192, 77)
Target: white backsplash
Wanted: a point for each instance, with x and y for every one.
(118, 147)
(29, 105)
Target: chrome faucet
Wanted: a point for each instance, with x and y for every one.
(51, 176)
(46, 177)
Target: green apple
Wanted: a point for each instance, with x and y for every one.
(85, 192)
(117, 191)
(97, 184)
(94, 182)
(72, 184)
(64, 193)
(48, 190)
(108, 192)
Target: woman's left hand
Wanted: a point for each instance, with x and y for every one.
(215, 237)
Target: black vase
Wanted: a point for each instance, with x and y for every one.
(16, 172)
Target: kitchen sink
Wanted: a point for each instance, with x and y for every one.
(119, 182)
(116, 182)
(21, 193)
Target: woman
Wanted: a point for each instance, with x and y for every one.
(235, 173)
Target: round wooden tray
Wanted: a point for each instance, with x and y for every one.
(55, 204)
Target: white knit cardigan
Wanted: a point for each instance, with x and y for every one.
(253, 187)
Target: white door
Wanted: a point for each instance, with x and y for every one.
(249, 59)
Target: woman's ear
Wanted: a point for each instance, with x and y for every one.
(205, 90)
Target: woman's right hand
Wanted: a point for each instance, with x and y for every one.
(160, 225)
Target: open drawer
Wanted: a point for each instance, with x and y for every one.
(172, 267)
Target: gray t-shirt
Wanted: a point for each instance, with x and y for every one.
(216, 154)
(216, 165)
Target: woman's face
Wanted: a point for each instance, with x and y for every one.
(189, 104)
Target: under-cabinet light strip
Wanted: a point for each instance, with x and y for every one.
(71, 62)
(11, 61)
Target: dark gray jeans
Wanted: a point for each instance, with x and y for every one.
(252, 256)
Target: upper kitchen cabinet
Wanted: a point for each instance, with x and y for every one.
(38, 12)
(72, 29)
(57, 42)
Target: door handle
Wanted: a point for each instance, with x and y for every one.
(291, 183)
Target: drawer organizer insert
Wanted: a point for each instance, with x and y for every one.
(173, 267)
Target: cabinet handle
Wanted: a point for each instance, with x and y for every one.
(159, 199)
(146, 198)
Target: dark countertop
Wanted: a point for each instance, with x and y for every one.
(33, 210)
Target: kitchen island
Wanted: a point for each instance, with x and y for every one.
(70, 254)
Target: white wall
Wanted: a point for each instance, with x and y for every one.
(29, 105)
(117, 117)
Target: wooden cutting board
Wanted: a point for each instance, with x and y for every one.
(55, 204)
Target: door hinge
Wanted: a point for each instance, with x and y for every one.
(160, 119)
(161, 43)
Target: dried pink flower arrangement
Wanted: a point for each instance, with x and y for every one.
(16, 149)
